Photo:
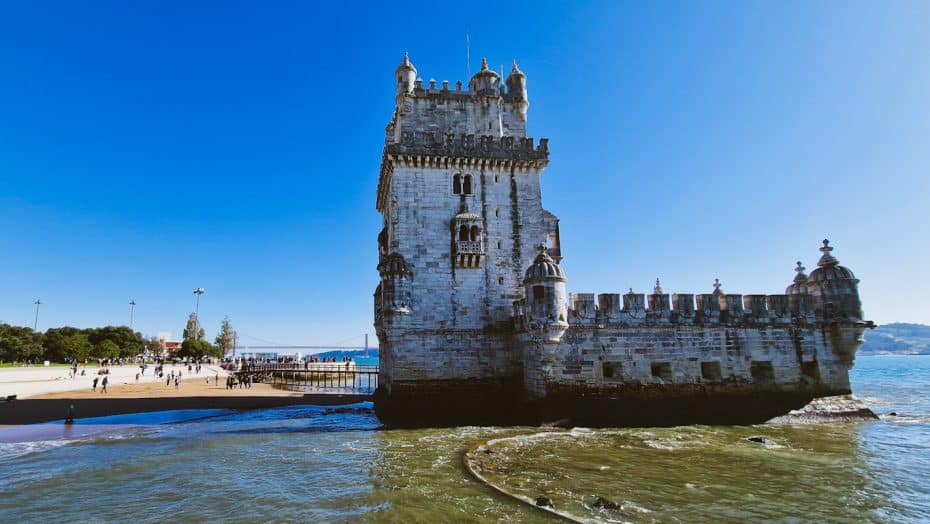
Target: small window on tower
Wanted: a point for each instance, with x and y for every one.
(539, 292)
(466, 185)
(463, 233)
(457, 184)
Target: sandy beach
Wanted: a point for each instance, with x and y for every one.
(41, 400)
(26, 382)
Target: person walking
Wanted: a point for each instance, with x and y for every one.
(94, 387)
(106, 380)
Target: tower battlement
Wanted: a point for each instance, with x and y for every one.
(436, 143)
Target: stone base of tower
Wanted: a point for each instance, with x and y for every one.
(671, 405)
(497, 402)
(452, 403)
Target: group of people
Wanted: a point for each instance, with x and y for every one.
(103, 383)
(232, 382)
(174, 378)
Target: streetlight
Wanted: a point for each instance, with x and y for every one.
(132, 310)
(35, 325)
(199, 291)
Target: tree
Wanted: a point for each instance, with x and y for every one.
(193, 331)
(58, 343)
(198, 349)
(154, 346)
(76, 347)
(128, 342)
(226, 339)
(108, 349)
(20, 343)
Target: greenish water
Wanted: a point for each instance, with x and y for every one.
(305, 464)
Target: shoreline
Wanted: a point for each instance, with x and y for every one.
(148, 397)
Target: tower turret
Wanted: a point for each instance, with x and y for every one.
(516, 89)
(546, 300)
(406, 76)
(485, 81)
(834, 288)
(799, 301)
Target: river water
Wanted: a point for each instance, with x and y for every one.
(312, 464)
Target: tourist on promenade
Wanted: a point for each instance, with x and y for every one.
(177, 381)
(216, 381)
(168, 382)
(106, 380)
(250, 382)
(94, 387)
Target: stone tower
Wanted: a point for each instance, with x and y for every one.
(459, 195)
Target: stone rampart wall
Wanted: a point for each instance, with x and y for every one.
(815, 357)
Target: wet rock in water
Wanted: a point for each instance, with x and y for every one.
(757, 440)
(893, 414)
(840, 408)
(544, 502)
(605, 503)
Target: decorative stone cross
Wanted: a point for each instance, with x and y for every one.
(658, 289)
(800, 268)
(826, 246)
(717, 286)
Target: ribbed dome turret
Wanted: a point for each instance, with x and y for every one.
(516, 85)
(544, 268)
(829, 268)
(406, 76)
(485, 79)
(799, 286)
(405, 65)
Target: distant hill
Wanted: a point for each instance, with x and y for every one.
(897, 339)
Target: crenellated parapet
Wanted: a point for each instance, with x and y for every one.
(726, 309)
(831, 297)
(451, 145)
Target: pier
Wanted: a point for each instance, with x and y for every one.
(327, 376)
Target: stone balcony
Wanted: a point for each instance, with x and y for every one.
(468, 247)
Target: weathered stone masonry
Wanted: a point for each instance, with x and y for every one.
(472, 306)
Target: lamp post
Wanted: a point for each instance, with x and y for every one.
(199, 291)
(35, 324)
(132, 310)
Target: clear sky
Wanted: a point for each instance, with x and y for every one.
(150, 148)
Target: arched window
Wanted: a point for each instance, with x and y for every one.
(466, 185)
(463, 232)
(457, 184)
(475, 232)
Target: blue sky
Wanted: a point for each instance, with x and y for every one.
(149, 148)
